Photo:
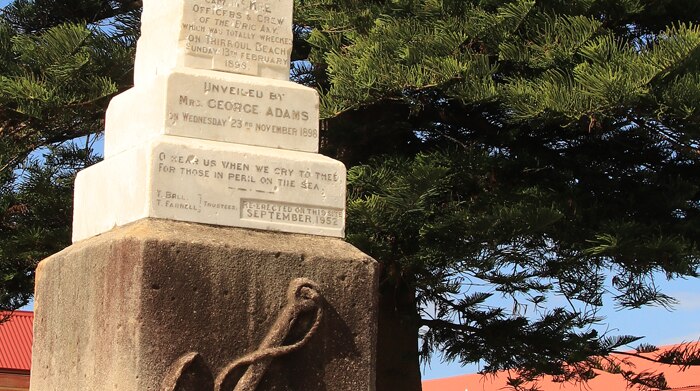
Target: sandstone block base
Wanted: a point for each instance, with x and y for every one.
(119, 311)
(212, 183)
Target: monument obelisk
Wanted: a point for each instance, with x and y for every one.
(208, 251)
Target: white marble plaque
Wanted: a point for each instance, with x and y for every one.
(215, 106)
(252, 37)
(213, 183)
(213, 132)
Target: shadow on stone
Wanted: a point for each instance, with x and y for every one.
(189, 373)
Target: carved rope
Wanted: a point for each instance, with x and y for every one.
(190, 372)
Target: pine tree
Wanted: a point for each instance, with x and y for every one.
(60, 63)
(521, 148)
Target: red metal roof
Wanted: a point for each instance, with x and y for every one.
(16, 341)
(678, 380)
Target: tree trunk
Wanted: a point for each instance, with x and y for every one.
(398, 367)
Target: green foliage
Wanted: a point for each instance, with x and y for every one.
(36, 211)
(520, 149)
(55, 85)
(59, 67)
(497, 148)
(34, 16)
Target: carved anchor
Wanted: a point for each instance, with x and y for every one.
(191, 373)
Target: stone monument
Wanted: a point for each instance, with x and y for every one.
(207, 247)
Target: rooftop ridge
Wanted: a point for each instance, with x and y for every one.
(679, 380)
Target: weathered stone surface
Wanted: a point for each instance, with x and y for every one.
(214, 106)
(252, 37)
(213, 183)
(115, 312)
(213, 132)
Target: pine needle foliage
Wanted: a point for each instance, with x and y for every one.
(60, 62)
(36, 211)
(517, 149)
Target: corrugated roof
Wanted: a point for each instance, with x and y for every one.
(678, 380)
(16, 341)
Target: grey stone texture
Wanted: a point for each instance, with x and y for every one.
(119, 310)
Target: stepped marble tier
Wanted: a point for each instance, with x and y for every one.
(252, 37)
(212, 183)
(215, 106)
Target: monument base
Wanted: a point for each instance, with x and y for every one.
(165, 305)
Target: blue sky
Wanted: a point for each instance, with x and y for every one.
(658, 325)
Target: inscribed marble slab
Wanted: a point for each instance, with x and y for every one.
(252, 37)
(215, 106)
(213, 183)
